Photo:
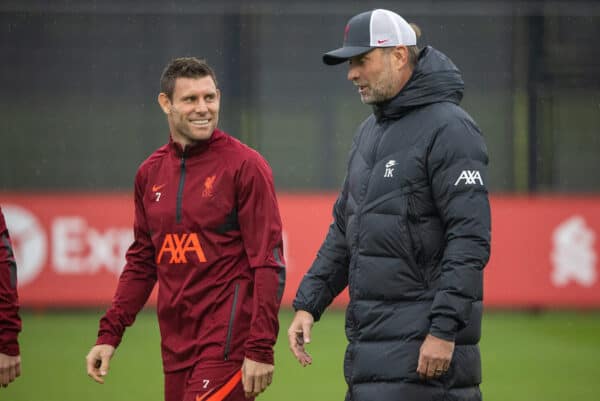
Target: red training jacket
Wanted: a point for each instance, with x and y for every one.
(10, 322)
(207, 227)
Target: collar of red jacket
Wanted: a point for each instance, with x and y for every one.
(196, 148)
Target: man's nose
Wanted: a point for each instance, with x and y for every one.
(352, 73)
(201, 106)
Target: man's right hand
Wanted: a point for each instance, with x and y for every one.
(299, 334)
(98, 361)
(10, 368)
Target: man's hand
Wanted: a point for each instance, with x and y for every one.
(434, 357)
(299, 334)
(256, 377)
(98, 361)
(10, 368)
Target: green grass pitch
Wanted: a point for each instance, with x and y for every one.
(545, 356)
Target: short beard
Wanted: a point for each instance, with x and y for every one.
(381, 92)
(374, 98)
(379, 96)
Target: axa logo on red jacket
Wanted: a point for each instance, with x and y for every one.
(176, 248)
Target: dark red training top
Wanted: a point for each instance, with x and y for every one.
(207, 227)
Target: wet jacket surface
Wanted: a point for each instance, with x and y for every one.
(410, 238)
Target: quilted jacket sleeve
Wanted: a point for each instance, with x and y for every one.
(457, 168)
(328, 275)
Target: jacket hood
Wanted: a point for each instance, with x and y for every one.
(435, 79)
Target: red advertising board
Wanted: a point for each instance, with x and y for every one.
(544, 252)
(70, 247)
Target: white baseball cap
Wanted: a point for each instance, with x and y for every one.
(371, 29)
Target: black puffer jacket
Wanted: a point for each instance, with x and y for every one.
(410, 237)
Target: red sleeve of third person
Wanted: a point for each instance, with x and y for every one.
(10, 322)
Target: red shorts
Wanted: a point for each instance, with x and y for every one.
(206, 381)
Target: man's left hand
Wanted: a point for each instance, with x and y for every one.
(256, 377)
(434, 357)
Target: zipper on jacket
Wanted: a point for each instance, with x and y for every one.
(180, 189)
(231, 320)
(415, 239)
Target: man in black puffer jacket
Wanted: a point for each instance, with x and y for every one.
(411, 230)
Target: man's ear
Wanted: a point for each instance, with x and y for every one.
(164, 102)
(401, 55)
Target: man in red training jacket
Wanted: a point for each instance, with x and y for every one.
(207, 228)
(10, 322)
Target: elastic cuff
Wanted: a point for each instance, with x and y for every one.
(443, 327)
(108, 339)
(11, 349)
(298, 306)
(261, 356)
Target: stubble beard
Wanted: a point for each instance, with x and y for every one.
(377, 94)
(382, 89)
(380, 92)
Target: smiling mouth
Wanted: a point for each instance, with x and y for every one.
(200, 123)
